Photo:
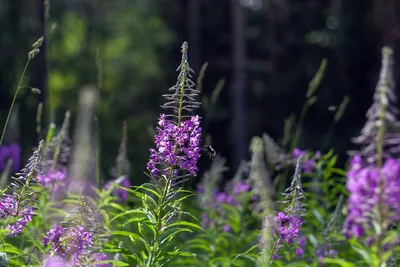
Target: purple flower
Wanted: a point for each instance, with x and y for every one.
(332, 253)
(308, 166)
(13, 152)
(309, 163)
(287, 227)
(177, 145)
(363, 182)
(101, 257)
(224, 198)
(56, 261)
(241, 186)
(70, 242)
(298, 153)
(325, 252)
(54, 179)
(226, 228)
(299, 252)
(302, 242)
(10, 207)
(54, 236)
(120, 193)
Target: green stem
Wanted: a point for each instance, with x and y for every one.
(379, 149)
(13, 101)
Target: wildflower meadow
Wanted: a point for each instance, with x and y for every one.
(284, 206)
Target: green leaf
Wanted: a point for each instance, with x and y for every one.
(315, 82)
(172, 233)
(145, 188)
(133, 237)
(116, 206)
(297, 264)
(113, 262)
(181, 253)
(145, 220)
(184, 223)
(364, 253)
(130, 212)
(340, 262)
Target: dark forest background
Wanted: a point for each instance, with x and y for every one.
(266, 51)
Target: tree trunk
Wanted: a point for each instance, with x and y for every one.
(238, 81)
(194, 33)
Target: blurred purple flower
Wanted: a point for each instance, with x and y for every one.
(120, 193)
(56, 261)
(309, 163)
(362, 183)
(325, 252)
(226, 228)
(299, 252)
(11, 151)
(302, 241)
(101, 257)
(54, 179)
(297, 152)
(176, 145)
(224, 198)
(332, 253)
(200, 189)
(308, 166)
(241, 186)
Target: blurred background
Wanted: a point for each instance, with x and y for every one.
(263, 53)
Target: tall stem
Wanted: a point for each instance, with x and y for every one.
(13, 101)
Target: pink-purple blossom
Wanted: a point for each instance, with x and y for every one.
(56, 261)
(54, 179)
(10, 207)
(176, 145)
(287, 227)
(69, 243)
(309, 163)
(241, 187)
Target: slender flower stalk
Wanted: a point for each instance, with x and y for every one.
(176, 154)
(31, 55)
(286, 225)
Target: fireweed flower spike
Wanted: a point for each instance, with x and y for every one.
(178, 135)
(77, 239)
(374, 185)
(172, 161)
(18, 204)
(380, 136)
(286, 225)
(260, 179)
(363, 185)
